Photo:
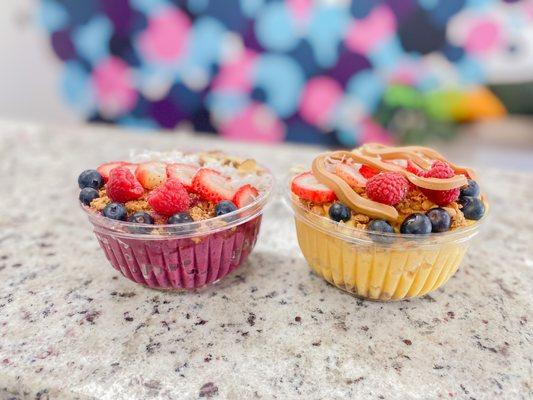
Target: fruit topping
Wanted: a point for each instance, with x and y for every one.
(88, 194)
(472, 189)
(122, 185)
(413, 168)
(367, 171)
(472, 207)
(339, 212)
(151, 174)
(440, 170)
(106, 168)
(169, 198)
(115, 211)
(308, 188)
(212, 186)
(141, 217)
(90, 179)
(350, 175)
(180, 218)
(131, 166)
(245, 195)
(440, 219)
(183, 173)
(224, 207)
(380, 225)
(417, 224)
(387, 188)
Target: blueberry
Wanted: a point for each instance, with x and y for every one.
(440, 219)
(180, 218)
(141, 217)
(115, 211)
(473, 208)
(87, 195)
(224, 207)
(380, 226)
(90, 178)
(417, 224)
(472, 189)
(339, 212)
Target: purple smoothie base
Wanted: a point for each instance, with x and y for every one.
(180, 263)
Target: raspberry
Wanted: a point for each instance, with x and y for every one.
(170, 198)
(387, 188)
(122, 185)
(441, 170)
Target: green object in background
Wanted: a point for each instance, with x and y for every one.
(516, 97)
(403, 96)
(414, 117)
(441, 104)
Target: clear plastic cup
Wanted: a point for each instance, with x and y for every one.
(181, 257)
(379, 266)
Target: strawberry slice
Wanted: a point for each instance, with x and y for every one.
(183, 173)
(367, 171)
(413, 168)
(308, 188)
(106, 168)
(245, 195)
(212, 186)
(131, 166)
(350, 175)
(151, 174)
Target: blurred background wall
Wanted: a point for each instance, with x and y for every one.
(30, 71)
(333, 72)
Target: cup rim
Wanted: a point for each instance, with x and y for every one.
(358, 235)
(187, 229)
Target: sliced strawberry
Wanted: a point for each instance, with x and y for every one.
(350, 175)
(212, 186)
(106, 168)
(183, 173)
(131, 166)
(151, 174)
(367, 171)
(245, 195)
(308, 188)
(413, 168)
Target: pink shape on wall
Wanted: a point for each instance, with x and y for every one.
(254, 123)
(364, 34)
(114, 87)
(166, 37)
(319, 99)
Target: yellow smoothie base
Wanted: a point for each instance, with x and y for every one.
(379, 272)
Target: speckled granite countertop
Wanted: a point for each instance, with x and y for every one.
(71, 328)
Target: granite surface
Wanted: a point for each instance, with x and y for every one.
(72, 328)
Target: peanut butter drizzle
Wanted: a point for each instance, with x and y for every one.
(419, 154)
(373, 155)
(345, 193)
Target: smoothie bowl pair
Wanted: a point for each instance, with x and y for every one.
(381, 223)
